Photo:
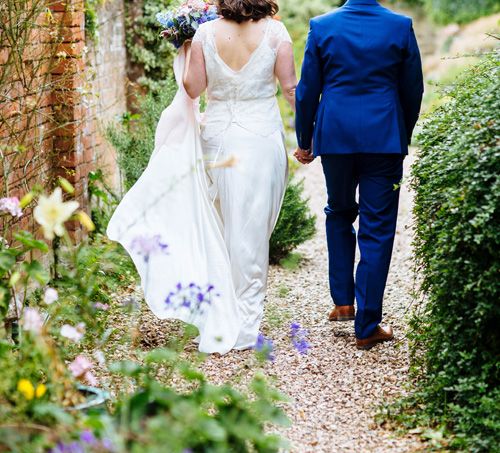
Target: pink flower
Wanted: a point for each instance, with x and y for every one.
(32, 320)
(12, 206)
(90, 379)
(50, 296)
(73, 333)
(80, 369)
(101, 306)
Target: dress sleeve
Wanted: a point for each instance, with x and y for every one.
(200, 34)
(279, 35)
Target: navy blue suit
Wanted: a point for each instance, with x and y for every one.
(357, 104)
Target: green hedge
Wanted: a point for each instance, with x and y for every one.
(134, 138)
(456, 338)
(461, 11)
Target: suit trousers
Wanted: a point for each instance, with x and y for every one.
(378, 177)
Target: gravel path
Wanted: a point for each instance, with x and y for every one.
(335, 389)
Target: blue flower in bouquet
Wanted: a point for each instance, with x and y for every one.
(166, 19)
(181, 24)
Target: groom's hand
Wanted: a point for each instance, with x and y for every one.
(304, 156)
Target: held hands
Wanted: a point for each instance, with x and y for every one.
(304, 156)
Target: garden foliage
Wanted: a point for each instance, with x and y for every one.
(460, 11)
(295, 224)
(134, 137)
(150, 57)
(52, 337)
(456, 339)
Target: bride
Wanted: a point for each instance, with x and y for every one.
(198, 222)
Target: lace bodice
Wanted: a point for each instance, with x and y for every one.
(248, 96)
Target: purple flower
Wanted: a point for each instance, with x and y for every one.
(298, 336)
(264, 348)
(146, 246)
(12, 206)
(107, 444)
(72, 447)
(191, 296)
(87, 437)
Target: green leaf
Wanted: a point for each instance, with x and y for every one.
(30, 243)
(4, 301)
(7, 261)
(126, 368)
(161, 356)
(35, 271)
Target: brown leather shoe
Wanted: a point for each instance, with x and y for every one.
(342, 313)
(380, 335)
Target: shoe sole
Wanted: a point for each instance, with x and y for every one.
(367, 347)
(343, 319)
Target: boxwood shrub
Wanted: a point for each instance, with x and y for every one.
(456, 334)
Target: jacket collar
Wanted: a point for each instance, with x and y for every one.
(361, 2)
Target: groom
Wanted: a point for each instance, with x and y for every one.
(358, 102)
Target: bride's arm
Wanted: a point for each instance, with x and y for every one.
(195, 75)
(285, 72)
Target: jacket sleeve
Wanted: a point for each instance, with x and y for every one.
(411, 83)
(308, 93)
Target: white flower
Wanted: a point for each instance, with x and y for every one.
(52, 212)
(100, 357)
(73, 333)
(32, 320)
(50, 296)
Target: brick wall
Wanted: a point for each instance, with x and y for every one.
(57, 95)
(108, 82)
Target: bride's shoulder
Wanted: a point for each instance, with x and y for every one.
(279, 31)
(204, 30)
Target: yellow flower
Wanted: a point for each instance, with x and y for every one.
(52, 212)
(26, 388)
(41, 389)
(85, 220)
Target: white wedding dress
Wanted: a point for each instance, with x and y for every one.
(216, 218)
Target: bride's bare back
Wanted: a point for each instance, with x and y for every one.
(236, 43)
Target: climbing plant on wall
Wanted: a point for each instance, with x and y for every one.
(149, 57)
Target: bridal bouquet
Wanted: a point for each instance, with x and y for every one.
(181, 24)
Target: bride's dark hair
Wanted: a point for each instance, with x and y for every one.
(246, 10)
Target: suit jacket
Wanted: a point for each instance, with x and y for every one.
(362, 84)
